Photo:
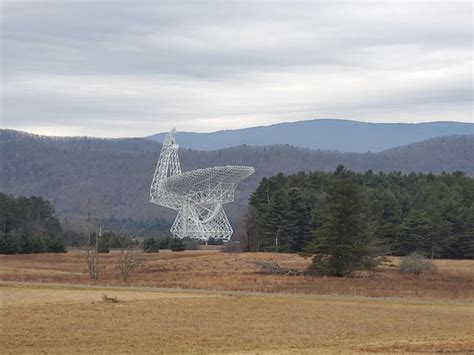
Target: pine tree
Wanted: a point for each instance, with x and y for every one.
(275, 232)
(9, 244)
(342, 242)
(463, 246)
(384, 218)
(298, 221)
(414, 234)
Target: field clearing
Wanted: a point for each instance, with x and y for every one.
(213, 270)
(41, 318)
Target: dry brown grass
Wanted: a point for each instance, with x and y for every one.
(210, 269)
(63, 321)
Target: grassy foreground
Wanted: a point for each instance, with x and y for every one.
(229, 306)
(41, 318)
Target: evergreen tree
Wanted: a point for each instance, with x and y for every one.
(427, 213)
(298, 221)
(414, 234)
(54, 244)
(384, 217)
(28, 225)
(342, 243)
(39, 245)
(276, 236)
(9, 244)
(463, 246)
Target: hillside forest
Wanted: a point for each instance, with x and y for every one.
(111, 177)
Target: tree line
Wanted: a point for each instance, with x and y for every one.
(29, 225)
(378, 214)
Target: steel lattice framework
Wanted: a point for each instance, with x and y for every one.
(197, 195)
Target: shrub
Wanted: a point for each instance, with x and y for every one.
(177, 244)
(53, 245)
(231, 247)
(9, 244)
(190, 244)
(370, 263)
(214, 241)
(165, 243)
(416, 264)
(151, 245)
(103, 246)
(29, 244)
(321, 265)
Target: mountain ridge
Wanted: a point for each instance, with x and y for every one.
(326, 134)
(112, 176)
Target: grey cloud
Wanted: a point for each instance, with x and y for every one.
(215, 38)
(205, 63)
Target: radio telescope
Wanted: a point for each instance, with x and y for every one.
(197, 195)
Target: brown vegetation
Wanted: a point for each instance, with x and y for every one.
(212, 270)
(106, 298)
(62, 320)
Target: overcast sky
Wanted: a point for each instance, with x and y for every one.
(110, 68)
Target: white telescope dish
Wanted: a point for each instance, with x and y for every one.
(197, 195)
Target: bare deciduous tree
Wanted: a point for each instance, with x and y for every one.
(92, 257)
(129, 259)
(92, 253)
(246, 233)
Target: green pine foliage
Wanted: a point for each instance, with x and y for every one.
(431, 214)
(299, 221)
(342, 242)
(153, 245)
(29, 225)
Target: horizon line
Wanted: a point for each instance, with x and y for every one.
(237, 129)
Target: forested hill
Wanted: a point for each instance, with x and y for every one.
(112, 176)
(325, 134)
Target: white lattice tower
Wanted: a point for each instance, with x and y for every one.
(197, 195)
(168, 163)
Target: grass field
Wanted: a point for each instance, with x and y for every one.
(221, 303)
(66, 320)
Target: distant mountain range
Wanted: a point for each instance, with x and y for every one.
(112, 176)
(324, 134)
